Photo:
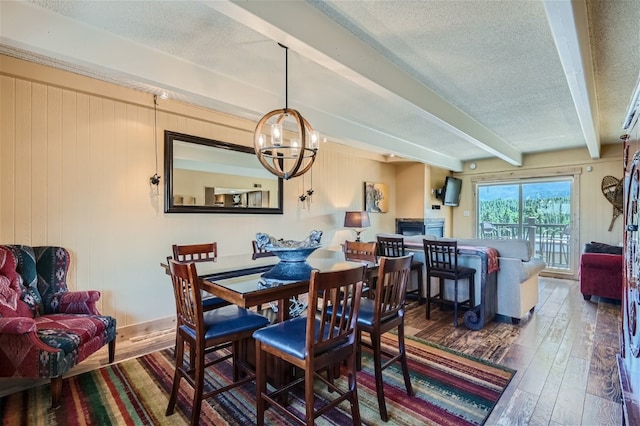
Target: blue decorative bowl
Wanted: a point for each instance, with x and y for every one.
(293, 264)
(292, 254)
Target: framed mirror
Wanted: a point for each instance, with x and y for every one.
(208, 176)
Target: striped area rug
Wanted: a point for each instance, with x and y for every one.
(451, 389)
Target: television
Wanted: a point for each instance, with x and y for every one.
(450, 193)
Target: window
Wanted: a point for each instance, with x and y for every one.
(535, 209)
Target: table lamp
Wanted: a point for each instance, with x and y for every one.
(357, 220)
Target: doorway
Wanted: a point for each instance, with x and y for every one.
(538, 210)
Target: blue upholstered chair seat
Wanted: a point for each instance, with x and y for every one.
(213, 302)
(288, 336)
(365, 314)
(228, 320)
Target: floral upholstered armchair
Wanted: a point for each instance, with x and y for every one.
(45, 329)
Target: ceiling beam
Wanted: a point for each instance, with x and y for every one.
(55, 36)
(570, 31)
(309, 32)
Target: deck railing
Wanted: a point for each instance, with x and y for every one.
(551, 241)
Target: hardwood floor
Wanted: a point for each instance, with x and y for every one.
(564, 354)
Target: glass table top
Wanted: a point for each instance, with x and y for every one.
(251, 280)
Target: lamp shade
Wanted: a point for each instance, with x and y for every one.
(356, 220)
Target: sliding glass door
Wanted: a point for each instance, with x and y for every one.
(538, 210)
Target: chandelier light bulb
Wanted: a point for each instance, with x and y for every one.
(314, 140)
(276, 134)
(295, 147)
(261, 139)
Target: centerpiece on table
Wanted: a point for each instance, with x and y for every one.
(293, 256)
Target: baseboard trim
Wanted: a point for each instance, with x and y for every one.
(146, 329)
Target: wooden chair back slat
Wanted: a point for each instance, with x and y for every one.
(359, 251)
(391, 287)
(340, 290)
(391, 246)
(259, 252)
(186, 290)
(441, 255)
(207, 252)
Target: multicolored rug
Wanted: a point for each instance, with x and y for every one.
(451, 389)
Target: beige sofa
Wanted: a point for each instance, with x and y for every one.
(517, 278)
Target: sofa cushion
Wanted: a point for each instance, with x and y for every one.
(70, 331)
(595, 247)
(8, 296)
(10, 290)
(52, 264)
(513, 248)
(26, 268)
(8, 267)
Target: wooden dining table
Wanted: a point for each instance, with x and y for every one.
(238, 279)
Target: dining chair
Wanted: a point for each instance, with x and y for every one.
(208, 332)
(383, 313)
(197, 253)
(314, 344)
(259, 252)
(206, 252)
(442, 263)
(357, 251)
(394, 247)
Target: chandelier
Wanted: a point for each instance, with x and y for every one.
(285, 158)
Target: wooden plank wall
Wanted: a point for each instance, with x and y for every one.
(75, 163)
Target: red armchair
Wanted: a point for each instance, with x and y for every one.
(601, 271)
(45, 329)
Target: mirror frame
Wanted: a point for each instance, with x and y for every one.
(170, 207)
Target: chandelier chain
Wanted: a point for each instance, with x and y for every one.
(286, 78)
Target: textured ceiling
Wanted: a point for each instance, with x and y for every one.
(440, 82)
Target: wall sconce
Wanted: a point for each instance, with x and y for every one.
(357, 220)
(154, 180)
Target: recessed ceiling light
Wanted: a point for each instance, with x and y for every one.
(473, 166)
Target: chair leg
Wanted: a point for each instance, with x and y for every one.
(358, 350)
(198, 388)
(455, 303)
(403, 360)
(235, 355)
(309, 397)
(56, 391)
(377, 366)
(420, 284)
(428, 312)
(112, 350)
(353, 390)
(261, 385)
(177, 375)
